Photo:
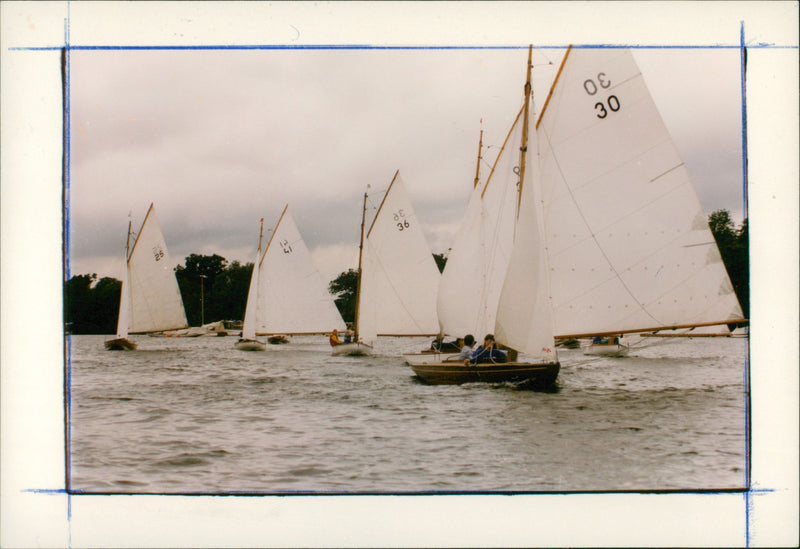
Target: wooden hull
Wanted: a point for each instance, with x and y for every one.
(606, 350)
(444, 373)
(352, 349)
(278, 339)
(120, 344)
(250, 345)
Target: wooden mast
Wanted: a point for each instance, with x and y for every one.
(128, 242)
(523, 148)
(260, 235)
(478, 164)
(358, 283)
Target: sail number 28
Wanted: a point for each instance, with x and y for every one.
(611, 104)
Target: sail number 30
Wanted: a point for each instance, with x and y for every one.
(611, 104)
(402, 224)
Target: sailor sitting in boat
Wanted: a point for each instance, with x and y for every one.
(486, 352)
(348, 335)
(467, 347)
(333, 338)
(438, 345)
(605, 341)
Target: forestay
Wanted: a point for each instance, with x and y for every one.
(628, 243)
(400, 278)
(154, 299)
(292, 297)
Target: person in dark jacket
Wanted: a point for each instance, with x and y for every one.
(488, 352)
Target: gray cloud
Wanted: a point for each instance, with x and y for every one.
(220, 139)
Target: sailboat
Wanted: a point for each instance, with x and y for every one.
(150, 300)
(248, 341)
(357, 346)
(627, 242)
(520, 312)
(398, 278)
(290, 297)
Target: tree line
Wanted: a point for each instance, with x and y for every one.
(213, 289)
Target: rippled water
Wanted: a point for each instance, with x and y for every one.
(193, 415)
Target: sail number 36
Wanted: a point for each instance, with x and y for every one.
(611, 103)
(402, 224)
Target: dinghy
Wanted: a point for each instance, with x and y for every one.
(290, 296)
(514, 295)
(150, 300)
(398, 278)
(248, 341)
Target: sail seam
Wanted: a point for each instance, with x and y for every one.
(593, 233)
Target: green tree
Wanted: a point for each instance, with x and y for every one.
(197, 280)
(733, 245)
(344, 288)
(91, 306)
(231, 290)
(441, 260)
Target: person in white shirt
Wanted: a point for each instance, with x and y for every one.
(466, 349)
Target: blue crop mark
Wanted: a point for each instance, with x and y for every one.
(67, 47)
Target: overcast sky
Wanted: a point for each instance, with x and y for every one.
(218, 139)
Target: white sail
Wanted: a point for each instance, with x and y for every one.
(249, 324)
(124, 302)
(628, 243)
(155, 300)
(399, 272)
(470, 285)
(292, 297)
(524, 315)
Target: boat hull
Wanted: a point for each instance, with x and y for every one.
(444, 373)
(352, 349)
(120, 344)
(606, 350)
(250, 345)
(278, 339)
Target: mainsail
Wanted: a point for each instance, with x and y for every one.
(292, 297)
(628, 244)
(249, 324)
(473, 276)
(154, 303)
(399, 275)
(524, 315)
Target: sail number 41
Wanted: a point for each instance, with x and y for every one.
(611, 103)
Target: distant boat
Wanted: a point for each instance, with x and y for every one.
(357, 346)
(287, 295)
(292, 298)
(521, 313)
(150, 300)
(248, 340)
(627, 242)
(398, 276)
